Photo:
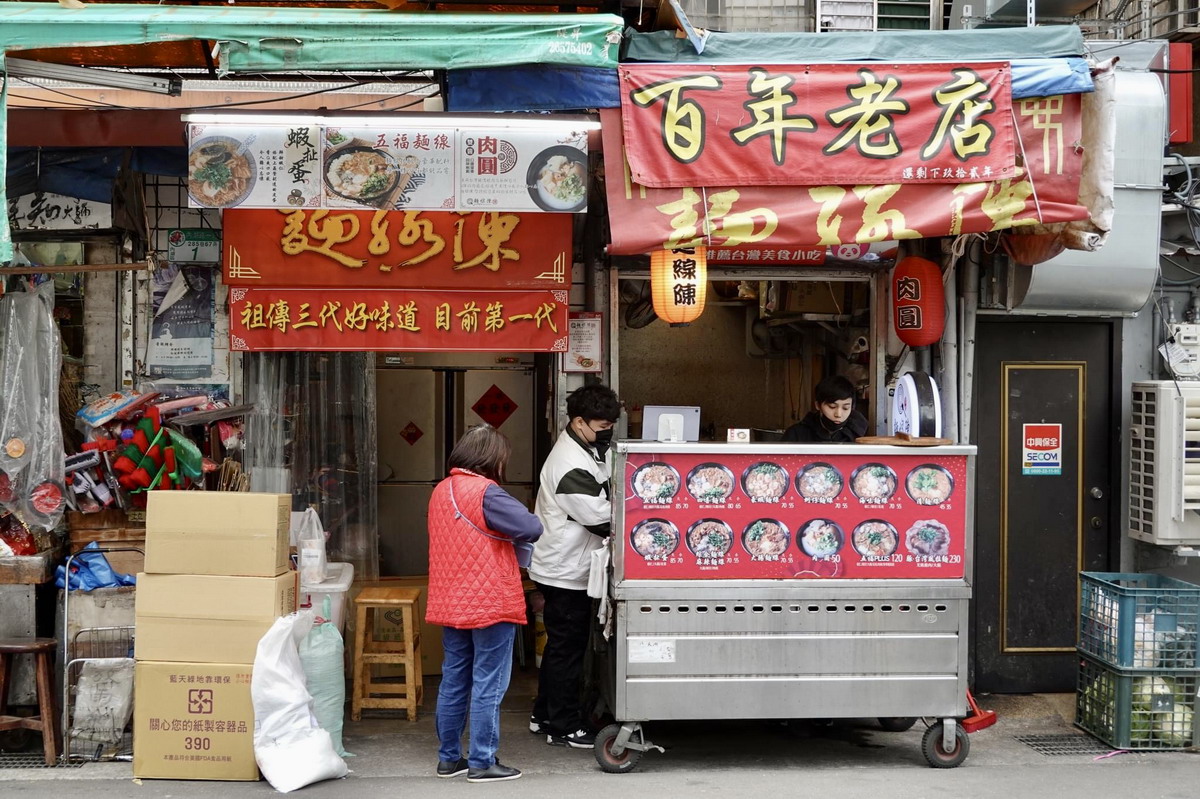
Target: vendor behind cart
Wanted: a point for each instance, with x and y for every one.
(833, 419)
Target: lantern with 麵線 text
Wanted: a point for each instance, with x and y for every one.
(918, 302)
(678, 284)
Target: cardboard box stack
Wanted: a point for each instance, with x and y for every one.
(217, 576)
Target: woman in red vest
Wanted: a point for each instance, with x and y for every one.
(479, 535)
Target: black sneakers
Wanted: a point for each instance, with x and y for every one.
(537, 726)
(493, 773)
(451, 768)
(580, 739)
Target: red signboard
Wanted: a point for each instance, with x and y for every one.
(263, 320)
(712, 516)
(732, 125)
(308, 248)
(644, 219)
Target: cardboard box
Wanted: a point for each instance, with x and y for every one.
(193, 721)
(217, 532)
(193, 618)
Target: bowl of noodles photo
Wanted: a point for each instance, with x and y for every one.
(710, 538)
(654, 539)
(929, 484)
(819, 482)
(821, 538)
(710, 482)
(655, 482)
(361, 174)
(221, 173)
(874, 538)
(928, 537)
(766, 539)
(873, 483)
(765, 482)
(557, 179)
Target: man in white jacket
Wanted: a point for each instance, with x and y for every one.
(574, 506)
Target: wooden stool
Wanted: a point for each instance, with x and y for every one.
(43, 650)
(369, 652)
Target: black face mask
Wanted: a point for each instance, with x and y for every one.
(603, 440)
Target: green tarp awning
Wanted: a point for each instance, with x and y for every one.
(978, 44)
(265, 39)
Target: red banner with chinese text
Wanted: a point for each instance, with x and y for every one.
(307, 248)
(381, 320)
(816, 124)
(643, 219)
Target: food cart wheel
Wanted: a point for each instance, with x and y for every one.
(609, 761)
(897, 723)
(935, 752)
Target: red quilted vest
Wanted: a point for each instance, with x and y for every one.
(473, 580)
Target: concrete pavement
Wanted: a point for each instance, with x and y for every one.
(848, 760)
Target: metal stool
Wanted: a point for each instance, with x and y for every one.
(43, 650)
(369, 692)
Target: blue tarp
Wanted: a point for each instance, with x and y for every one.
(531, 88)
(85, 172)
(1042, 77)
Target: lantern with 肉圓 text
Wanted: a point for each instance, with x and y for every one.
(918, 302)
(678, 284)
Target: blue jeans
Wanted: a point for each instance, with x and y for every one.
(476, 668)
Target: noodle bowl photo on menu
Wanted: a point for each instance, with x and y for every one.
(821, 538)
(928, 537)
(766, 539)
(220, 172)
(710, 538)
(874, 538)
(655, 482)
(765, 482)
(362, 174)
(929, 484)
(819, 482)
(655, 539)
(557, 179)
(873, 483)
(710, 482)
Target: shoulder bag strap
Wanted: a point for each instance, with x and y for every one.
(458, 514)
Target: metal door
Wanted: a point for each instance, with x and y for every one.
(504, 399)
(412, 441)
(1041, 516)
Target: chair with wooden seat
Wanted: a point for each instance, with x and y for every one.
(43, 651)
(391, 694)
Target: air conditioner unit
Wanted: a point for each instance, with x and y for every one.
(1164, 463)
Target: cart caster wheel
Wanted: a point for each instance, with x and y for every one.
(614, 764)
(896, 723)
(936, 754)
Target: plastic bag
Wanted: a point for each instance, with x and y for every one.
(31, 446)
(291, 749)
(322, 654)
(91, 570)
(310, 545)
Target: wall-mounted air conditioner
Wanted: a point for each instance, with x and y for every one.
(1164, 463)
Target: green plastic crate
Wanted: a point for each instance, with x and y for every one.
(1139, 621)
(1142, 709)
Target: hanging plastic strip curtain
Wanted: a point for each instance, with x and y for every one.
(312, 435)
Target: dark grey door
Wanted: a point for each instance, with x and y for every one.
(1043, 512)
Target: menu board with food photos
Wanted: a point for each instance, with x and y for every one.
(739, 516)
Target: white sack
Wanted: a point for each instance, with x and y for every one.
(291, 749)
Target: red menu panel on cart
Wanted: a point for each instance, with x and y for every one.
(714, 516)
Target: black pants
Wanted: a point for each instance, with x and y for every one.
(568, 619)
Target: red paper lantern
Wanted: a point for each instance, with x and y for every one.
(918, 302)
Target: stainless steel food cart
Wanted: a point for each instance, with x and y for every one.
(840, 623)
